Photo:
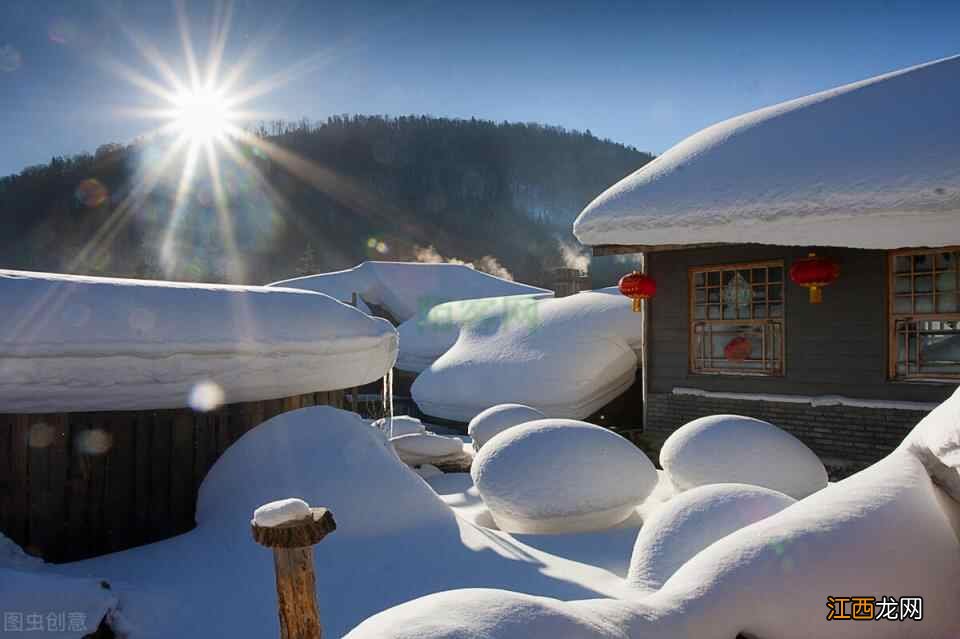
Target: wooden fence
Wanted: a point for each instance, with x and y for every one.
(77, 485)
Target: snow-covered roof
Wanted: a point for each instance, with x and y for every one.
(405, 288)
(74, 343)
(874, 164)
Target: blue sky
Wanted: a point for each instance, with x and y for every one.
(646, 74)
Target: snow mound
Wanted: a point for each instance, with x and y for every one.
(692, 521)
(721, 449)
(402, 425)
(431, 332)
(887, 531)
(561, 475)
(497, 419)
(280, 512)
(824, 169)
(72, 343)
(481, 613)
(403, 289)
(568, 357)
(426, 448)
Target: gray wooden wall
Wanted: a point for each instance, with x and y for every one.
(838, 347)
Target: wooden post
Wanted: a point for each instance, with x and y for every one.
(292, 544)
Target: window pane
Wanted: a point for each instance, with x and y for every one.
(922, 263)
(946, 260)
(759, 275)
(774, 292)
(901, 264)
(775, 274)
(700, 312)
(947, 303)
(923, 284)
(700, 296)
(923, 304)
(902, 285)
(927, 348)
(759, 293)
(713, 295)
(946, 281)
(698, 279)
(902, 305)
(713, 278)
(776, 310)
(759, 311)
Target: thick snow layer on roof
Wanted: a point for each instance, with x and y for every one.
(566, 357)
(730, 448)
(406, 288)
(874, 164)
(72, 343)
(561, 475)
(884, 532)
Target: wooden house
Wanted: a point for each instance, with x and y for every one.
(806, 258)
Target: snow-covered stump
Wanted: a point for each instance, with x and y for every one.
(290, 528)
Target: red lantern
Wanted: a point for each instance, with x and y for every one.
(814, 273)
(637, 286)
(738, 349)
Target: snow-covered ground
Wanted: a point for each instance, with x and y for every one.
(72, 343)
(874, 164)
(405, 289)
(428, 557)
(566, 357)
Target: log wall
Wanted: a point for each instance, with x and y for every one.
(78, 485)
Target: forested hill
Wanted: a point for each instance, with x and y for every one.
(305, 197)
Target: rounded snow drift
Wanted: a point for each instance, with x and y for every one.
(496, 419)
(687, 524)
(402, 425)
(733, 449)
(561, 475)
(425, 448)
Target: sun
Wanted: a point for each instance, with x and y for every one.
(202, 115)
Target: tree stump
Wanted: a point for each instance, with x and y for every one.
(292, 544)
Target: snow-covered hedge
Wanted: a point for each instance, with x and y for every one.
(496, 419)
(566, 357)
(732, 449)
(690, 522)
(561, 475)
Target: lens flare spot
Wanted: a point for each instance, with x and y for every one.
(206, 396)
(41, 435)
(372, 242)
(95, 441)
(91, 193)
(382, 247)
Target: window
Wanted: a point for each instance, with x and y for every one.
(736, 319)
(925, 314)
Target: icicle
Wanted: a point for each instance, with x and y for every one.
(387, 402)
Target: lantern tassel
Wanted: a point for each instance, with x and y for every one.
(816, 294)
(636, 304)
